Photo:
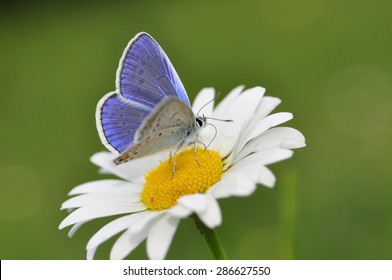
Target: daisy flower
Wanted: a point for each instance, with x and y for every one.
(149, 203)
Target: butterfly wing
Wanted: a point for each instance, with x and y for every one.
(145, 76)
(117, 121)
(170, 113)
(171, 124)
(145, 73)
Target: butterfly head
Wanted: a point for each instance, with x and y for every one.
(201, 121)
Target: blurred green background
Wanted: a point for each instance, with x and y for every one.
(329, 61)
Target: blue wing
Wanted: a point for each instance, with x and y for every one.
(118, 120)
(144, 77)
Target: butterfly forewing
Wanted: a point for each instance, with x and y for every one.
(146, 74)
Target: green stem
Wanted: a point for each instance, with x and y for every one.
(211, 238)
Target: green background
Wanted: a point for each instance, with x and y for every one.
(329, 61)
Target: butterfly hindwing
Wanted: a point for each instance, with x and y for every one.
(165, 139)
(170, 113)
(118, 120)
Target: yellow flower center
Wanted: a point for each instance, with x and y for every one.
(161, 190)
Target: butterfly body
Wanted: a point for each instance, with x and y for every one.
(150, 111)
(170, 125)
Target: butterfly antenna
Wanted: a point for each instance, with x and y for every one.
(213, 99)
(207, 103)
(216, 132)
(209, 118)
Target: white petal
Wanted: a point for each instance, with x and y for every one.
(107, 186)
(264, 157)
(265, 124)
(245, 186)
(108, 231)
(179, 211)
(286, 137)
(254, 173)
(130, 239)
(90, 253)
(160, 237)
(211, 216)
(240, 111)
(142, 223)
(206, 207)
(247, 178)
(222, 188)
(227, 102)
(243, 105)
(266, 105)
(126, 243)
(87, 213)
(258, 129)
(279, 137)
(114, 227)
(204, 96)
(266, 178)
(75, 228)
(105, 161)
(133, 170)
(96, 200)
(226, 136)
(237, 182)
(194, 202)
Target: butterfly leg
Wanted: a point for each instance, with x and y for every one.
(174, 166)
(194, 150)
(174, 162)
(204, 145)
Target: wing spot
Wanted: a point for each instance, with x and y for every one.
(172, 132)
(160, 134)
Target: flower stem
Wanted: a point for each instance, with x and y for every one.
(211, 238)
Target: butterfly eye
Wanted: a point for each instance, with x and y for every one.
(199, 122)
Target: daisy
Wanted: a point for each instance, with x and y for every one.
(151, 202)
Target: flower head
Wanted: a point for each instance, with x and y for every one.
(152, 202)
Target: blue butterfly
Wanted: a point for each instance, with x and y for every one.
(150, 111)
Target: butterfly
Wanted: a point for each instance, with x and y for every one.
(150, 111)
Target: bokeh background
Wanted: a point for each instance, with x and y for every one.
(329, 61)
